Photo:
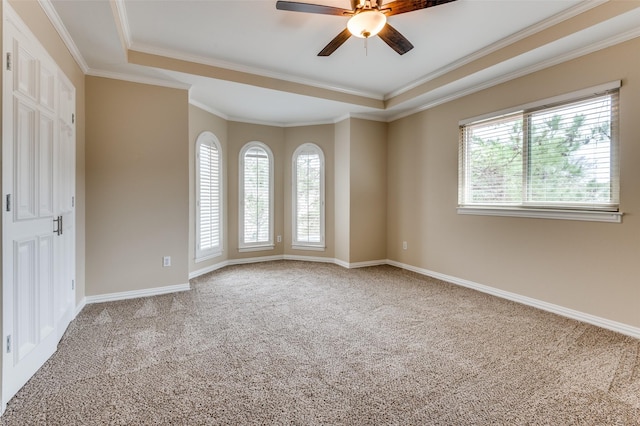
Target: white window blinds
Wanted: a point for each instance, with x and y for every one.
(308, 197)
(209, 197)
(562, 156)
(257, 193)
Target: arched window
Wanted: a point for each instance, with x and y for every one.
(256, 197)
(308, 197)
(208, 196)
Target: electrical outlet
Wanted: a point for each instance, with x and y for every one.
(166, 261)
(404, 245)
(279, 238)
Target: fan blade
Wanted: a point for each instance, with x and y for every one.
(403, 6)
(395, 40)
(335, 43)
(311, 8)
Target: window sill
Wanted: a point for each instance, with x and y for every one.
(584, 215)
(304, 247)
(256, 248)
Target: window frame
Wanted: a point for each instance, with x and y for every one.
(208, 138)
(305, 245)
(551, 210)
(261, 245)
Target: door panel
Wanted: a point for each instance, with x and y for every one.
(38, 182)
(45, 165)
(24, 294)
(25, 161)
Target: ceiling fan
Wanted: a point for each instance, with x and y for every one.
(368, 18)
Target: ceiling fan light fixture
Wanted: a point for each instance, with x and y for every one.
(367, 23)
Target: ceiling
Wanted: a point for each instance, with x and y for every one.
(246, 61)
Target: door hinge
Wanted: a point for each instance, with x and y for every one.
(8, 343)
(73, 201)
(73, 118)
(8, 61)
(8, 202)
(73, 284)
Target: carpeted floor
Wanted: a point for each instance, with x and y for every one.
(305, 343)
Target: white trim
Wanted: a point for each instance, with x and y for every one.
(584, 215)
(341, 262)
(316, 259)
(611, 41)
(259, 245)
(121, 21)
(303, 245)
(565, 97)
(500, 44)
(134, 294)
(62, 31)
(256, 248)
(295, 257)
(255, 259)
(181, 56)
(208, 138)
(367, 263)
(310, 248)
(80, 306)
(545, 306)
(138, 79)
(208, 109)
(208, 269)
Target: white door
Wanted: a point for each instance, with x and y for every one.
(64, 189)
(37, 184)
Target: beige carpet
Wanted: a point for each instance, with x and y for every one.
(303, 343)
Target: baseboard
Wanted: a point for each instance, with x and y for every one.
(80, 306)
(247, 260)
(367, 264)
(539, 304)
(317, 259)
(110, 297)
(208, 269)
(255, 259)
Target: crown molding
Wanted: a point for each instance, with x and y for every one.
(576, 53)
(137, 79)
(527, 32)
(208, 109)
(181, 56)
(121, 21)
(55, 20)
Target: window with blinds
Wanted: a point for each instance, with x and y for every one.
(209, 197)
(256, 197)
(308, 197)
(561, 156)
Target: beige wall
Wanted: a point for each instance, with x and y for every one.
(368, 193)
(240, 134)
(38, 22)
(201, 121)
(322, 136)
(586, 266)
(137, 186)
(342, 150)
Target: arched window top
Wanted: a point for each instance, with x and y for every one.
(209, 138)
(309, 149)
(257, 149)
